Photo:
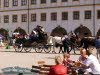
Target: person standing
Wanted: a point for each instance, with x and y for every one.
(1, 42)
(97, 44)
(66, 43)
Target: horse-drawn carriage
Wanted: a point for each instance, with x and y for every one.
(28, 46)
(39, 41)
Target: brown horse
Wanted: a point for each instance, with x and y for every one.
(85, 42)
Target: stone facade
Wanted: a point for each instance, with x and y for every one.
(48, 8)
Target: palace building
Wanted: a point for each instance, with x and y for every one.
(56, 16)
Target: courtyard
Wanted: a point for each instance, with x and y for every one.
(10, 58)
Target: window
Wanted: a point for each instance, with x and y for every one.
(64, 0)
(24, 2)
(75, 0)
(43, 17)
(64, 15)
(53, 16)
(43, 1)
(6, 19)
(98, 14)
(24, 18)
(33, 17)
(14, 18)
(87, 14)
(33, 1)
(53, 1)
(6, 3)
(76, 15)
(15, 2)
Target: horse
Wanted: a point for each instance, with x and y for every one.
(73, 45)
(56, 41)
(87, 42)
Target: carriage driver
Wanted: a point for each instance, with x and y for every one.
(34, 34)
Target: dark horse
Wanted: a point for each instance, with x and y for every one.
(85, 42)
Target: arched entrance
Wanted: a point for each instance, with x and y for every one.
(4, 32)
(21, 31)
(98, 33)
(83, 31)
(58, 31)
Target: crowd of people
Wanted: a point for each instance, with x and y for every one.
(87, 64)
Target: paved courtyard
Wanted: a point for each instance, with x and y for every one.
(10, 58)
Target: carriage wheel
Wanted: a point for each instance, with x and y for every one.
(39, 48)
(27, 49)
(18, 48)
(47, 48)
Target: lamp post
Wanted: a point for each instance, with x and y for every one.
(28, 16)
(7, 34)
(18, 30)
(94, 17)
(80, 30)
(8, 44)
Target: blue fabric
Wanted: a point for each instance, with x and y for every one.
(97, 43)
(1, 36)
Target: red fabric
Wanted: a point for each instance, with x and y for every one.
(58, 70)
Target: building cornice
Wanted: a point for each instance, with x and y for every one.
(10, 10)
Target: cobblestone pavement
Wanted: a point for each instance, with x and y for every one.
(10, 58)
